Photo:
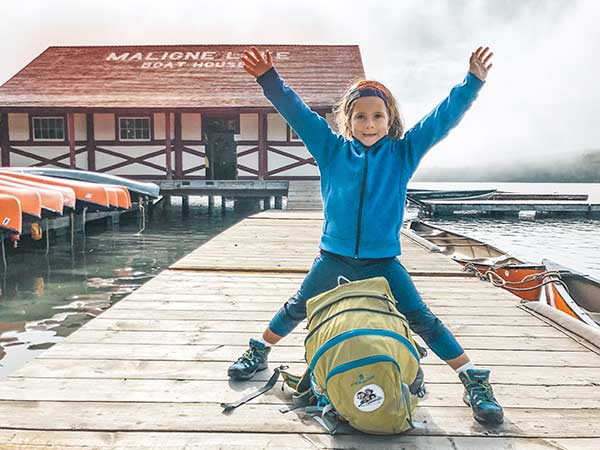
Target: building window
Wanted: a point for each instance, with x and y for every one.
(134, 128)
(292, 136)
(48, 128)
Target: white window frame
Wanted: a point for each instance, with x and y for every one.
(149, 138)
(292, 138)
(33, 120)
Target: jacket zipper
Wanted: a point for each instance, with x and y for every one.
(360, 205)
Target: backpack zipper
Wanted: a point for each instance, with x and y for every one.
(359, 363)
(383, 297)
(361, 332)
(376, 311)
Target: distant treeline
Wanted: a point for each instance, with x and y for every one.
(582, 169)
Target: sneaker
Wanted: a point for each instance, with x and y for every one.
(480, 397)
(253, 360)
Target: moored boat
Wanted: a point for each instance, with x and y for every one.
(10, 214)
(490, 263)
(120, 195)
(438, 194)
(576, 294)
(564, 289)
(136, 188)
(31, 201)
(87, 194)
(54, 199)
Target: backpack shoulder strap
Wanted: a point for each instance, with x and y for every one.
(267, 387)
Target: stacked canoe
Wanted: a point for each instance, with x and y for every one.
(29, 194)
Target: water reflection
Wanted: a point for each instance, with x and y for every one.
(44, 298)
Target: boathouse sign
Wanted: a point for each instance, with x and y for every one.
(175, 60)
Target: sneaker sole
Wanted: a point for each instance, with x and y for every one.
(243, 377)
(489, 419)
(486, 419)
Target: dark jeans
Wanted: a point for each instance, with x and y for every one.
(323, 276)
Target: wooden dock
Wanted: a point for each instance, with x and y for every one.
(508, 206)
(150, 373)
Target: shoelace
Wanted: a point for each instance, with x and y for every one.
(247, 357)
(482, 392)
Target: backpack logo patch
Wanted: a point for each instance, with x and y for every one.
(369, 398)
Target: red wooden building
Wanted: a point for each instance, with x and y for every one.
(145, 111)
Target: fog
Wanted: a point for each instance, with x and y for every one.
(540, 99)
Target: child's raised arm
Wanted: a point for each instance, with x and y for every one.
(310, 126)
(445, 116)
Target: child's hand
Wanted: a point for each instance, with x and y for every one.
(478, 63)
(254, 62)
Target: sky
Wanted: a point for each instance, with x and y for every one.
(541, 99)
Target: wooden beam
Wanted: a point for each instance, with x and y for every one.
(71, 133)
(178, 147)
(168, 145)
(263, 166)
(91, 141)
(4, 143)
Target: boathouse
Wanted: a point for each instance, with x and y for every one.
(163, 112)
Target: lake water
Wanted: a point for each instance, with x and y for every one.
(45, 298)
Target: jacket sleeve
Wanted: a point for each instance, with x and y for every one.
(319, 138)
(437, 124)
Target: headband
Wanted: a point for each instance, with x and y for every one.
(368, 92)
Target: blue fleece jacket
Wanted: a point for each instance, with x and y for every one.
(364, 189)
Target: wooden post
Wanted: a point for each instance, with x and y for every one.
(4, 141)
(185, 204)
(168, 145)
(91, 142)
(71, 132)
(262, 146)
(266, 203)
(178, 147)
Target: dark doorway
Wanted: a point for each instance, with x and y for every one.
(221, 152)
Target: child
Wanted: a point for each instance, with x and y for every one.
(364, 174)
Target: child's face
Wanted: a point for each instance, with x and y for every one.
(370, 120)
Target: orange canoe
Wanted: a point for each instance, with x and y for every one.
(84, 191)
(31, 201)
(52, 199)
(10, 214)
(123, 198)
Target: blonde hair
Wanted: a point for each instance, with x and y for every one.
(343, 109)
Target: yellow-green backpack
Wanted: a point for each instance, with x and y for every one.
(364, 365)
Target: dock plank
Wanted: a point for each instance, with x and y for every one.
(285, 354)
(433, 421)
(202, 391)
(101, 369)
(17, 440)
